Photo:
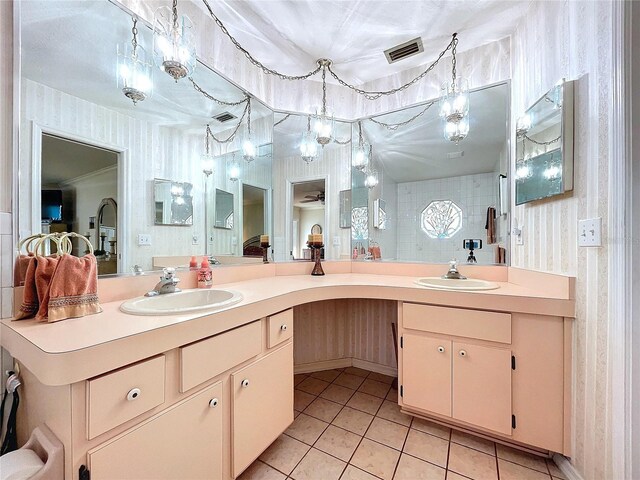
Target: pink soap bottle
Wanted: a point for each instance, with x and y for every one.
(205, 276)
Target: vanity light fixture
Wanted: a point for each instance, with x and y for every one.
(174, 42)
(206, 158)
(234, 168)
(523, 124)
(454, 103)
(134, 69)
(309, 146)
(248, 147)
(371, 178)
(324, 126)
(361, 155)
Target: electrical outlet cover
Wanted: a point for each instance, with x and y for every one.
(144, 239)
(590, 232)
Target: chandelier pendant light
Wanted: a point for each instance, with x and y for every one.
(324, 126)
(309, 146)
(134, 69)
(206, 158)
(361, 155)
(234, 168)
(454, 103)
(371, 178)
(249, 149)
(174, 42)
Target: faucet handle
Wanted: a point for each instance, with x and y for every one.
(453, 264)
(168, 273)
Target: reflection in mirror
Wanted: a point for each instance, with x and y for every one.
(254, 219)
(345, 209)
(435, 192)
(173, 202)
(106, 230)
(544, 146)
(223, 209)
(308, 216)
(331, 166)
(71, 92)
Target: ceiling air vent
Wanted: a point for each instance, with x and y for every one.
(224, 117)
(404, 50)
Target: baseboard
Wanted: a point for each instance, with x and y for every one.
(343, 363)
(566, 467)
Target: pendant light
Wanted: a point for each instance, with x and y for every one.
(454, 103)
(249, 149)
(134, 68)
(233, 168)
(309, 146)
(371, 178)
(361, 153)
(174, 42)
(324, 126)
(206, 158)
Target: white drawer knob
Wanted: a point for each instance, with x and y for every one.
(133, 394)
(283, 327)
(245, 383)
(463, 353)
(213, 403)
(441, 349)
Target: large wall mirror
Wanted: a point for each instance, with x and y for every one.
(83, 141)
(435, 193)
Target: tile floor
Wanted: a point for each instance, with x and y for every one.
(348, 426)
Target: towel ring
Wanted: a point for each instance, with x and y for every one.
(67, 242)
(28, 241)
(55, 237)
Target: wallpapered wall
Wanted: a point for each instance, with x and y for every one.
(572, 40)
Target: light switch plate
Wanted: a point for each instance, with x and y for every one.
(590, 232)
(336, 241)
(144, 240)
(195, 239)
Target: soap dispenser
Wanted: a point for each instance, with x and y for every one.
(205, 275)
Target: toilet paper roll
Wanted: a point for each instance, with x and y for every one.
(19, 465)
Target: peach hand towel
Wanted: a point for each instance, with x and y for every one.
(45, 271)
(74, 288)
(30, 303)
(20, 269)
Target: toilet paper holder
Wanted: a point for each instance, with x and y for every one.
(47, 447)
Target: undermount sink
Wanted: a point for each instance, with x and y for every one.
(187, 301)
(467, 284)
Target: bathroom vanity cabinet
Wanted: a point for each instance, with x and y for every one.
(495, 373)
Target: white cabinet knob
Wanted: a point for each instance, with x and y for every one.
(213, 403)
(463, 353)
(441, 349)
(245, 383)
(283, 327)
(133, 394)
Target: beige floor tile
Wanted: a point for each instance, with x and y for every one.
(410, 468)
(364, 402)
(284, 454)
(312, 385)
(474, 442)
(323, 409)
(391, 411)
(388, 433)
(299, 378)
(317, 465)
(353, 420)
(472, 463)
(337, 394)
(522, 458)
(306, 429)
(380, 377)
(353, 473)
(301, 400)
(392, 396)
(261, 471)
(555, 470)
(376, 459)
(372, 387)
(349, 381)
(427, 447)
(454, 476)
(296, 413)
(326, 375)
(357, 371)
(430, 427)
(513, 471)
(338, 442)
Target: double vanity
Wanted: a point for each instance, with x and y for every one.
(201, 394)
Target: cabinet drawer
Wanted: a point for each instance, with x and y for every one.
(124, 394)
(280, 327)
(207, 358)
(491, 326)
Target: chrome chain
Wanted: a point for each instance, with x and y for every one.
(281, 120)
(206, 139)
(453, 62)
(174, 12)
(211, 97)
(324, 90)
(249, 117)
(134, 40)
(541, 143)
(395, 126)
(235, 130)
(360, 137)
(342, 142)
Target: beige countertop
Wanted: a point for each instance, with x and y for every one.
(75, 349)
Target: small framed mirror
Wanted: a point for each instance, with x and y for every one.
(316, 229)
(173, 203)
(223, 210)
(544, 146)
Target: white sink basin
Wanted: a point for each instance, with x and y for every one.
(187, 301)
(468, 284)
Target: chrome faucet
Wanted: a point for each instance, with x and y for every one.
(167, 283)
(453, 273)
(213, 260)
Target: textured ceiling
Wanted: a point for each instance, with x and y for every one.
(290, 35)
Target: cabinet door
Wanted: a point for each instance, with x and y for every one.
(184, 441)
(262, 396)
(482, 386)
(426, 373)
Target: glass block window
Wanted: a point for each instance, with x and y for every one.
(359, 223)
(441, 219)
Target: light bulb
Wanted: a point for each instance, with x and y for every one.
(552, 172)
(248, 151)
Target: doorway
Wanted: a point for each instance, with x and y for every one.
(254, 219)
(308, 216)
